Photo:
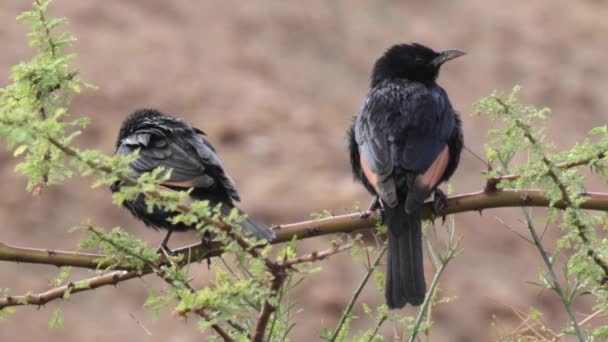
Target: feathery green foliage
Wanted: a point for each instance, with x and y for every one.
(560, 176)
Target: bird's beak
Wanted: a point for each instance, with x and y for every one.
(446, 56)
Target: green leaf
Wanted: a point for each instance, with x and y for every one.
(6, 312)
(599, 130)
(601, 332)
(56, 321)
(20, 150)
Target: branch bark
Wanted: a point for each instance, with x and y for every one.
(477, 201)
(42, 298)
(267, 309)
(492, 183)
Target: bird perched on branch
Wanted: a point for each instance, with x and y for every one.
(405, 140)
(174, 144)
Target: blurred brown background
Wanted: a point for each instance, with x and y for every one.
(275, 84)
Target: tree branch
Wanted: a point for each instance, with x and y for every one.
(268, 308)
(492, 182)
(477, 201)
(316, 256)
(112, 278)
(346, 314)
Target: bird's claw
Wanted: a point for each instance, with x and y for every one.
(439, 204)
(207, 242)
(375, 205)
(165, 250)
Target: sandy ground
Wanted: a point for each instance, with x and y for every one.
(275, 84)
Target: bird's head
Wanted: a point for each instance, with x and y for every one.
(411, 61)
(141, 119)
(153, 124)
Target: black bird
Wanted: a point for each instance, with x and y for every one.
(405, 140)
(173, 143)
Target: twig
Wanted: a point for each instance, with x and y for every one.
(163, 275)
(492, 182)
(555, 282)
(267, 309)
(357, 293)
(316, 256)
(566, 198)
(112, 278)
(377, 327)
(140, 324)
(218, 329)
(431, 291)
(536, 239)
(532, 326)
(42, 92)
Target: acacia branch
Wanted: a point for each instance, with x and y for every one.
(566, 197)
(555, 285)
(346, 314)
(112, 278)
(492, 183)
(316, 256)
(278, 276)
(163, 275)
(477, 201)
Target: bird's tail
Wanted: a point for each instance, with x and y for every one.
(405, 272)
(251, 226)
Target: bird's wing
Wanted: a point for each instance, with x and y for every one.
(206, 153)
(375, 154)
(192, 161)
(427, 125)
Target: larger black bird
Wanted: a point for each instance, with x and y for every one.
(173, 143)
(405, 140)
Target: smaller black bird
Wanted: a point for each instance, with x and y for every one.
(173, 143)
(406, 140)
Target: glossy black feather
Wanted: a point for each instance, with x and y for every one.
(173, 143)
(404, 124)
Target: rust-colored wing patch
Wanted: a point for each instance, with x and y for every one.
(200, 181)
(367, 171)
(432, 176)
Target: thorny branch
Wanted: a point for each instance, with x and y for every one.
(278, 276)
(42, 298)
(477, 201)
(316, 256)
(555, 285)
(492, 183)
(348, 311)
(163, 275)
(566, 197)
(41, 93)
(307, 229)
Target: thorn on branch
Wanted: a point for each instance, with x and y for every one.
(316, 255)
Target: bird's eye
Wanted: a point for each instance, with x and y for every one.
(418, 60)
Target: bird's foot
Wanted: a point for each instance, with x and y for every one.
(381, 217)
(375, 205)
(164, 248)
(439, 203)
(207, 242)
